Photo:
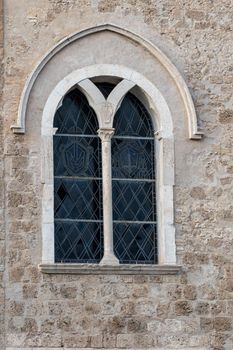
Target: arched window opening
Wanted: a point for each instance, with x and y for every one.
(133, 179)
(78, 219)
(123, 137)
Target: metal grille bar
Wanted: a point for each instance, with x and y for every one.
(133, 222)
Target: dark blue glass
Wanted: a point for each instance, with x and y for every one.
(132, 119)
(133, 201)
(133, 173)
(78, 242)
(75, 116)
(105, 88)
(131, 158)
(77, 182)
(77, 199)
(135, 243)
(77, 156)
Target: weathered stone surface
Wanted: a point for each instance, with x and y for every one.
(226, 116)
(193, 309)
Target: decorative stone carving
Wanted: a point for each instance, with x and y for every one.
(106, 134)
(107, 112)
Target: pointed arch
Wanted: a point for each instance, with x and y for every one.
(194, 133)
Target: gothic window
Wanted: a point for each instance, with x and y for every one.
(78, 206)
(77, 182)
(133, 181)
(83, 222)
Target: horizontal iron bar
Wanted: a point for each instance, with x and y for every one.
(133, 137)
(77, 220)
(133, 180)
(114, 137)
(134, 222)
(100, 179)
(78, 178)
(78, 135)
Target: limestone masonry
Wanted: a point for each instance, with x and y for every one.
(189, 309)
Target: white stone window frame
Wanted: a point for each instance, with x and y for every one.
(105, 110)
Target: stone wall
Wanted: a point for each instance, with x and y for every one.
(191, 310)
(2, 230)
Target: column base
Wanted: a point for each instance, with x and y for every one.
(109, 259)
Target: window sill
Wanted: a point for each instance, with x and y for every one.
(95, 269)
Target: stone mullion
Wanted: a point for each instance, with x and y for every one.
(105, 135)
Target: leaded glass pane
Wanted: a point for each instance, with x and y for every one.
(77, 156)
(75, 116)
(77, 182)
(78, 242)
(133, 200)
(132, 119)
(131, 158)
(133, 172)
(135, 243)
(77, 199)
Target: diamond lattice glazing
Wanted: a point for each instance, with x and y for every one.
(77, 182)
(134, 197)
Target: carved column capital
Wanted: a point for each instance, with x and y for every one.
(106, 134)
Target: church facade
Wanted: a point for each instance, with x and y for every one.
(116, 175)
